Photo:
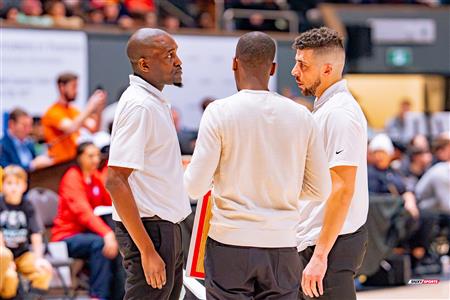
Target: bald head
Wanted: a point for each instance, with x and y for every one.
(255, 50)
(143, 41)
(153, 57)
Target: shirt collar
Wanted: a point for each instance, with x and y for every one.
(15, 140)
(136, 80)
(340, 86)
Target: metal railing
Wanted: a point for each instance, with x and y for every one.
(231, 14)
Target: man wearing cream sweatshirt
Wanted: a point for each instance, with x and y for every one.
(262, 152)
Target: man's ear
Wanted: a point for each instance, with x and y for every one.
(235, 64)
(273, 68)
(328, 69)
(143, 65)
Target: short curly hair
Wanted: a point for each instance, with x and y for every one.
(319, 38)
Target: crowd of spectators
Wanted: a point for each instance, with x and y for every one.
(125, 14)
(169, 14)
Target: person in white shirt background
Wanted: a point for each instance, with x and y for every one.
(263, 153)
(145, 174)
(332, 237)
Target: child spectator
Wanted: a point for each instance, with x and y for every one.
(19, 225)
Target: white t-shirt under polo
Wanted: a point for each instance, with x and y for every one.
(144, 139)
(263, 152)
(343, 127)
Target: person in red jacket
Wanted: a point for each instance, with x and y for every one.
(87, 235)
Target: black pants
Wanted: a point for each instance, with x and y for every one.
(166, 237)
(234, 272)
(344, 261)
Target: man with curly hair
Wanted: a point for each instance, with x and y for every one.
(332, 237)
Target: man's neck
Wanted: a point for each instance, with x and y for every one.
(157, 86)
(63, 101)
(326, 86)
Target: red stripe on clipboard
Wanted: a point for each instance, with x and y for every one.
(198, 239)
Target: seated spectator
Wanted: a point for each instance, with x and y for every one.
(206, 21)
(57, 11)
(86, 234)
(171, 23)
(62, 121)
(396, 127)
(18, 225)
(17, 148)
(440, 147)
(412, 170)
(96, 16)
(433, 189)
(432, 192)
(383, 179)
(420, 141)
(113, 16)
(8, 275)
(31, 14)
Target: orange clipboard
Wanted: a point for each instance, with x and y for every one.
(196, 257)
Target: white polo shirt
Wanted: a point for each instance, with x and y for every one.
(343, 127)
(144, 139)
(264, 153)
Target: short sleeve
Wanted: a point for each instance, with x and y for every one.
(34, 223)
(344, 139)
(129, 138)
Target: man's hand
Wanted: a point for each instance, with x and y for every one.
(154, 269)
(40, 162)
(111, 248)
(43, 264)
(411, 205)
(313, 275)
(96, 102)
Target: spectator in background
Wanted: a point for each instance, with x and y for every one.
(96, 16)
(383, 179)
(18, 226)
(420, 141)
(62, 121)
(433, 189)
(139, 6)
(8, 275)
(441, 147)
(186, 138)
(171, 23)
(206, 21)
(113, 16)
(31, 14)
(432, 192)
(151, 20)
(57, 11)
(86, 234)
(419, 161)
(395, 128)
(17, 148)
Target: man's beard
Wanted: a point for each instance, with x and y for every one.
(178, 84)
(311, 91)
(68, 98)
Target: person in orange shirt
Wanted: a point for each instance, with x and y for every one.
(62, 121)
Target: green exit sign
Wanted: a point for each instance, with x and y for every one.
(399, 57)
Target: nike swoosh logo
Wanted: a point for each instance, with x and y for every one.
(337, 152)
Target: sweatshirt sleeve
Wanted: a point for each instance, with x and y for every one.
(199, 173)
